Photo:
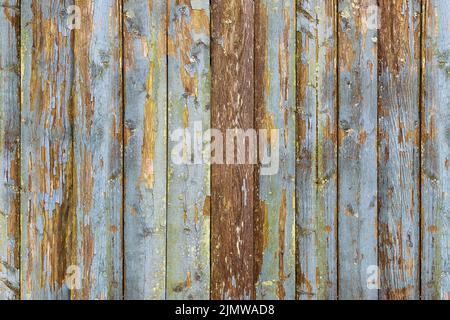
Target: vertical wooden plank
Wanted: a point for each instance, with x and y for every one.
(275, 110)
(97, 99)
(188, 220)
(398, 157)
(435, 151)
(316, 177)
(232, 186)
(46, 149)
(357, 147)
(145, 148)
(9, 149)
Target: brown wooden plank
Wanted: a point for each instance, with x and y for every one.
(232, 191)
(398, 160)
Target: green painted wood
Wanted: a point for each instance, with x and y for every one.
(46, 149)
(97, 141)
(275, 110)
(398, 153)
(435, 173)
(316, 123)
(358, 250)
(9, 149)
(145, 66)
(188, 205)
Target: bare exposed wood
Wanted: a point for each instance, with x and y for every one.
(232, 185)
(398, 153)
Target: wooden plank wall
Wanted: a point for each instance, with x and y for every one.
(108, 189)
(232, 186)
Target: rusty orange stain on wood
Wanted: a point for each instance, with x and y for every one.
(362, 136)
(188, 279)
(400, 293)
(207, 206)
(148, 145)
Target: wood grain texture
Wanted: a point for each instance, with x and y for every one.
(188, 205)
(398, 160)
(46, 150)
(232, 186)
(9, 149)
(97, 141)
(435, 164)
(275, 110)
(357, 148)
(316, 124)
(145, 36)
(94, 121)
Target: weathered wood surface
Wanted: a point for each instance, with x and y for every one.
(94, 205)
(398, 153)
(71, 166)
(232, 186)
(145, 66)
(98, 149)
(188, 204)
(9, 149)
(357, 202)
(316, 136)
(275, 110)
(46, 148)
(435, 167)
